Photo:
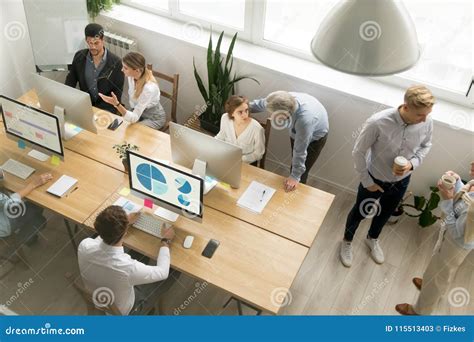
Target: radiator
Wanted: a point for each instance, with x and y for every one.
(118, 44)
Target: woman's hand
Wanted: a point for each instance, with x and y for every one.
(41, 180)
(445, 193)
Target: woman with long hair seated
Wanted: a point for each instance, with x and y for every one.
(143, 92)
(238, 128)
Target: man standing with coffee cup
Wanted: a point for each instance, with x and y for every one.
(391, 145)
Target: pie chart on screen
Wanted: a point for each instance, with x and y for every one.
(182, 185)
(152, 179)
(184, 200)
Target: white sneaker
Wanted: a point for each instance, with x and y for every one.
(376, 250)
(346, 253)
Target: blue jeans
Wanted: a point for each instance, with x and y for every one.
(376, 205)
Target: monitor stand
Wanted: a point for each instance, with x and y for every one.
(166, 214)
(38, 155)
(66, 131)
(199, 169)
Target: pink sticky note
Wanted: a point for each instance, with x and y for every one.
(148, 203)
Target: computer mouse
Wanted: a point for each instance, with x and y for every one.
(188, 241)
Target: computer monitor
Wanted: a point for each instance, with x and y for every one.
(31, 126)
(62, 100)
(206, 155)
(168, 187)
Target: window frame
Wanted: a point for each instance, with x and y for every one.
(253, 32)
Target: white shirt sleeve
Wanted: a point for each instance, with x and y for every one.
(259, 146)
(366, 139)
(145, 274)
(223, 128)
(150, 93)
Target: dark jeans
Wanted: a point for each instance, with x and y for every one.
(313, 150)
(376, 205)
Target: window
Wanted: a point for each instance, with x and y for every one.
(445, 34)
(444, 30)
(294, 23)
(155, 4)
(228, 13)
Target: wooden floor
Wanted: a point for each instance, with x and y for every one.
(322, 287)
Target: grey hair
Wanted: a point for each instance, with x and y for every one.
(281, 101)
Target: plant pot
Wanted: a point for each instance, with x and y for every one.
(209, 126)
(125, 165)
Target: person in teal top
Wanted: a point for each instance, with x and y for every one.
(18, 217)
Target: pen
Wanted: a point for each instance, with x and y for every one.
(263, 195)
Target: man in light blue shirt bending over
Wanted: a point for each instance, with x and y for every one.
(307, 120)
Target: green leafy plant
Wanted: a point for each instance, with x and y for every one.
(422, 208)
(221, 81)
(122, 149)
(95, 6)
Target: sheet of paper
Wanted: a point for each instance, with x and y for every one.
(127, 205)
(62, 186)
(256, 197)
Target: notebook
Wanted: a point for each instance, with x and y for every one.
(62, 186)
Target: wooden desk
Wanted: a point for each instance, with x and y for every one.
(296, 216)
(95, 181)
(251, 264)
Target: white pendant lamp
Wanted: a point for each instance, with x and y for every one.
(368, 38)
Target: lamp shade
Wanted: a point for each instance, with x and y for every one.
(367, 37)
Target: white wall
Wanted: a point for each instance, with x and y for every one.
(16, 57)
(452, 149)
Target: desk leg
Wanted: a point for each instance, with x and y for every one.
(72, 234)
(239, 306)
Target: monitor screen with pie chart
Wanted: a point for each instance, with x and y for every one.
(171, 188)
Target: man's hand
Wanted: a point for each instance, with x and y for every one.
(168, 233)
(401, 172)
(445, 193)
(132, 218)
(374, 188)
(290, 184)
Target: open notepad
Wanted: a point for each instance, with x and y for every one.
(256, 197)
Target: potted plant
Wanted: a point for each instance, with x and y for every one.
(122, 149)
(422, 208)
(95, 6)
(221, 84)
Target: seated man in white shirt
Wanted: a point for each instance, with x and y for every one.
(104, 264)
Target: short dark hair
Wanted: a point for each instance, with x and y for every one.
(94, 30)
(111, 224)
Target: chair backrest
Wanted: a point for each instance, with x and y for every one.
(268, 127)
(173, 96)
(87, 296)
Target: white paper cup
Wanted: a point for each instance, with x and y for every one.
(399, 163)
(448, 181)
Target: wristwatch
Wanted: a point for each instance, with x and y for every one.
(167, 241)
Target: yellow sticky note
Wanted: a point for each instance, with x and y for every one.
(124, 192)
(55, 160)
(224, 185)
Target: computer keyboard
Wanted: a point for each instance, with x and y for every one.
(149, 224)
(17, 169)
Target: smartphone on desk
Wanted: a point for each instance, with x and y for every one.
(210, 248)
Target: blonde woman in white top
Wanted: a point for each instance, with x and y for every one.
(238, 128)
(143, 92)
